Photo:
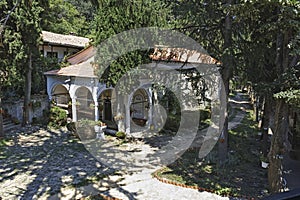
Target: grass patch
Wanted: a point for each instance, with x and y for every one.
(240, 175)
(4, 142)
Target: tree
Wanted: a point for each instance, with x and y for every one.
(271, 60)
(87, 11)
(60, 16)
(211, 23)
(263, 37)
(114, 17)
(21, 37)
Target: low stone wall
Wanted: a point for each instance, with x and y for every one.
(40, 104)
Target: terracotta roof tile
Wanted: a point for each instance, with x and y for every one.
(82, 62)
(82, 55)
(182, 55)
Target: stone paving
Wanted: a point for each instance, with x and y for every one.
(39, 163)
(141, 185)
(51, 164)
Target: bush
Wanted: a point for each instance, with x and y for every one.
(121, 134)
(172, 123)
(205, 114)
(58, 117)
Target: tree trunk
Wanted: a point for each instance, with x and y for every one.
(268, 107)
(278, 146)
(27, 98)
(226, 74)
(281, 118)
(1, 118)
(223, 141)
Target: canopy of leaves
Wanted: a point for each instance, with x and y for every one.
(20, 36)
(61, 16)
(270, 44)
(116, 16)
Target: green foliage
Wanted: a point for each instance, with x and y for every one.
(114, 17)
(270, 40)
(263, 158)
(232, 177)
(20, 37)
(290, 96)
(58, 117)
(43, 64)
(172, 107)
(87, 11)
(62, 17)
(121, 134)
(286, 86)
(205, 114)
(204, 22)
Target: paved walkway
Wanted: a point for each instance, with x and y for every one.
(142, 185)
(43, 164)
(291, 172)
(38, 163)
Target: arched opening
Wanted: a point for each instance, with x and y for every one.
(85, 104)
(139, 107)
(105, 105)
(106, 100)
(61, 98)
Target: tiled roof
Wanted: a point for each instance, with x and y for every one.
(82, 62)
(83, 69)
(65, 40)
(82, 55)
(182, 55)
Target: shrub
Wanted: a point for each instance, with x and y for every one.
(121, 134)
(204, 114)
(58, 117)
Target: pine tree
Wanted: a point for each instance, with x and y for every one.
(211, 24)
(21, 36)
(113, 17)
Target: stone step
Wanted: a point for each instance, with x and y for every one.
(8, 125)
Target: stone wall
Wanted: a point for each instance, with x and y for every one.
(39, 104)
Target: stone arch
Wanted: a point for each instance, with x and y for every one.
(106, 100)
(60, 95)
(140, 103)
(84, 103)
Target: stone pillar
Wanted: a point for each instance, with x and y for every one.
(119, 118)
(127, 116)
(95, 99)
(150, 111)
(154, 111)
(74, 110)
(96, 111)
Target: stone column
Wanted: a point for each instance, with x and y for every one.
(95, 99)
(119, 118)
(150, 111)
(74, 110)
(96, 111)
(154, 109)
(127, 115)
